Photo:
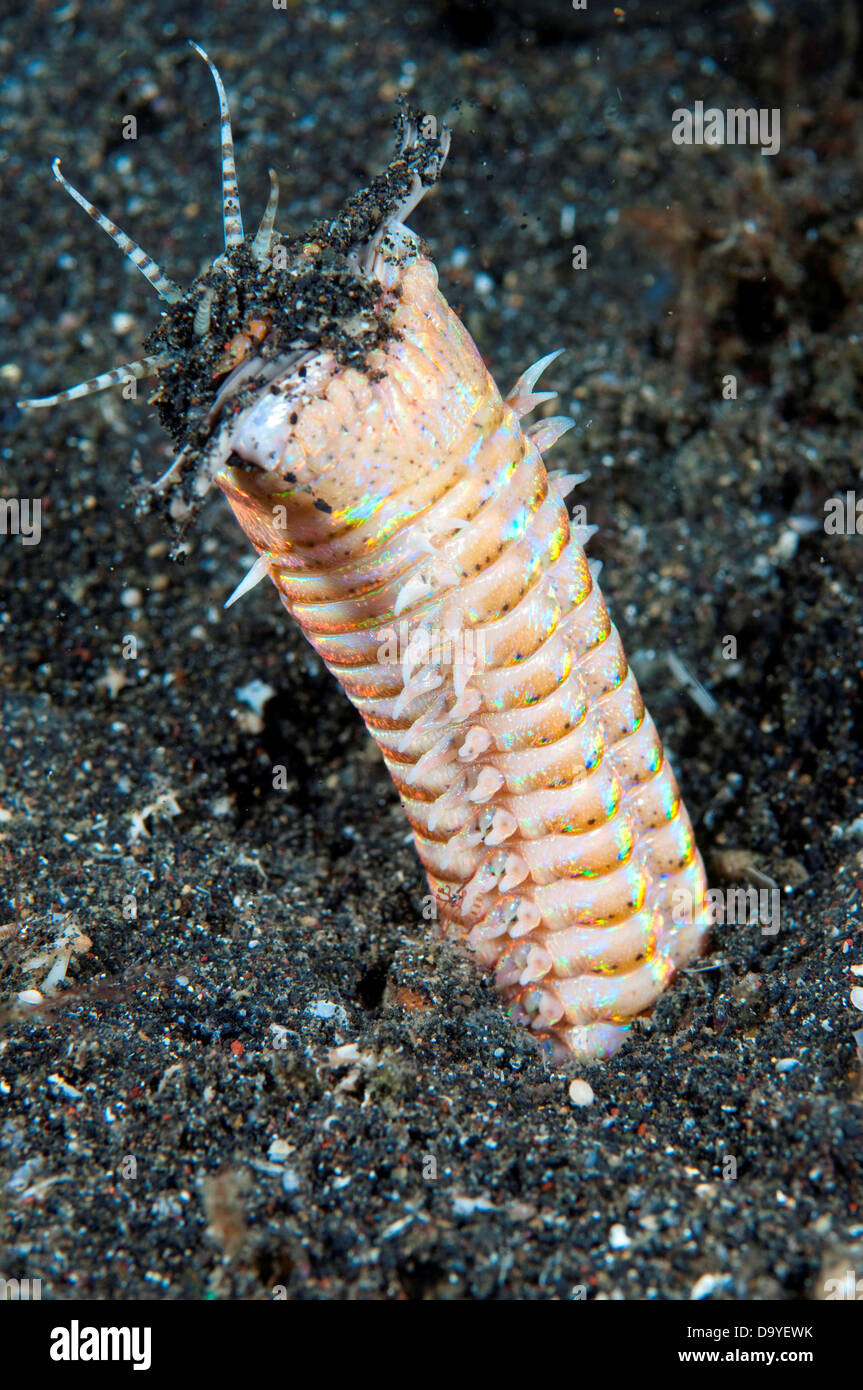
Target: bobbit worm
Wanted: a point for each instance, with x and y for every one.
(404, 513)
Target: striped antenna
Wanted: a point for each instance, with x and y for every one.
(231, 216)
(145, 366)
(264, 235)
(148, 268)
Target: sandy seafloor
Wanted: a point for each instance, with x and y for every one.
(174, 1124)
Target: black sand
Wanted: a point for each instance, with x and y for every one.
(173, 1123)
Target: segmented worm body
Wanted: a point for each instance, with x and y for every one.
(408, 522)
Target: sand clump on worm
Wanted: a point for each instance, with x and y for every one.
(408, 521)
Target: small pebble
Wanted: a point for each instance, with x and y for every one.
(567, 219)
(706, 1286)
(255, 695)
(580, 1092)
(325, 1009)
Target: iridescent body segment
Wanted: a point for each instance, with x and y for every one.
(410, 527)
(443, 587)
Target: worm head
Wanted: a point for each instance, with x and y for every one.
(271, 309)
(269, 306)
